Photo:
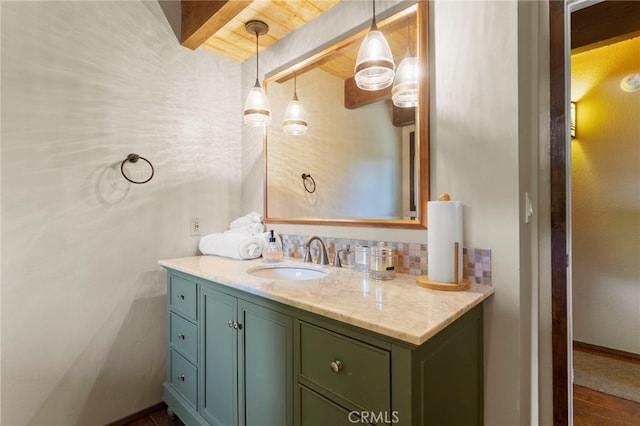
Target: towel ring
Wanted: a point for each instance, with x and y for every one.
(133, 158)
(306, 178)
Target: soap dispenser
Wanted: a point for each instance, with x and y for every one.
(272, 251)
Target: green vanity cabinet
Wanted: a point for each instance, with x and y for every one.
(181, 387)
(247, 353)
(241, 370)
(219, 354)
(257, 362)
(350, 372)
(354, 376)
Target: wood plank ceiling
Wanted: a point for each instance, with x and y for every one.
(219, 26)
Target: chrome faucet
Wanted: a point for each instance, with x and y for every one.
(323, 259)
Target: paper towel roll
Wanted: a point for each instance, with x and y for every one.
(444, 229)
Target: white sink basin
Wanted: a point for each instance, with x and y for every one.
(288, 272)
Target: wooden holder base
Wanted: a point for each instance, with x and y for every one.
(424, 281)
(456, 285)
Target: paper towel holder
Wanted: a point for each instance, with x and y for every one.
(456, 285)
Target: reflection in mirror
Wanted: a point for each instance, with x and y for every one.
(368, 158)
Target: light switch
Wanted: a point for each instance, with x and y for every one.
(528, 208)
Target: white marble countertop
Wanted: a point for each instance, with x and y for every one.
(396, 308)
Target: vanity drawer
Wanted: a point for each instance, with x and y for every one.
(353, 370)
(183, 337)
(183, 297)
(184, 377)
(315, 410)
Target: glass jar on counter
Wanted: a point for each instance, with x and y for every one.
(382, 262)
(362, 258)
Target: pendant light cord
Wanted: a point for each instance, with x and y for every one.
(374, 27)
(409, 36)
(257, 58)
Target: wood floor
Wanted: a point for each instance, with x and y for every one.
(593, 408)
(156, 416)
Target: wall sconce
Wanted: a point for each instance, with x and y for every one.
(572, 124)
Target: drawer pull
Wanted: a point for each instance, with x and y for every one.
(181, 296)
(181, 336)
(336, 366)
(181, 377)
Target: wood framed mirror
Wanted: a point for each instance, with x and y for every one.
(363, 161)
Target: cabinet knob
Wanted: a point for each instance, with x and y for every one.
(230, 324)
(181, 336)
(237, 325)
(181, 377)
(181, 296)
(336, 366)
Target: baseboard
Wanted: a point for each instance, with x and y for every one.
(139, 415)
(615, 353)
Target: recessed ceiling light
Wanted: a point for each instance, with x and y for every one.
(631, 83)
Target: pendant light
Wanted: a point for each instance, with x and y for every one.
(257, 110)
(374, 66)
(295, 118)
(404, 93)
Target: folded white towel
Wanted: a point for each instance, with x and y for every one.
(246, 220)
(253, 229)
(232, 244)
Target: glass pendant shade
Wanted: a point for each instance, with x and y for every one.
(405, 87)
(295, 118)
(257, 109)
(374, 66)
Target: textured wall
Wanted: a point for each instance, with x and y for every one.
(83, 299)
(606, 198)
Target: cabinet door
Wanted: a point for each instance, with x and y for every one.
(266, 370)
(219, 358)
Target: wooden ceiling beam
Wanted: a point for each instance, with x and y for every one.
(604, 23)
(201, 19)
(355, 97)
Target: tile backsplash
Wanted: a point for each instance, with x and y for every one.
(412, 257)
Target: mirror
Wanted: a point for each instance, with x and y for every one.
(363, 161)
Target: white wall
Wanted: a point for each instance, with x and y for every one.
(83, 299)
(475, 154)
(606, 198)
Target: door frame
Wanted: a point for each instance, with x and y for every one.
(615, 22)
(558, 125)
